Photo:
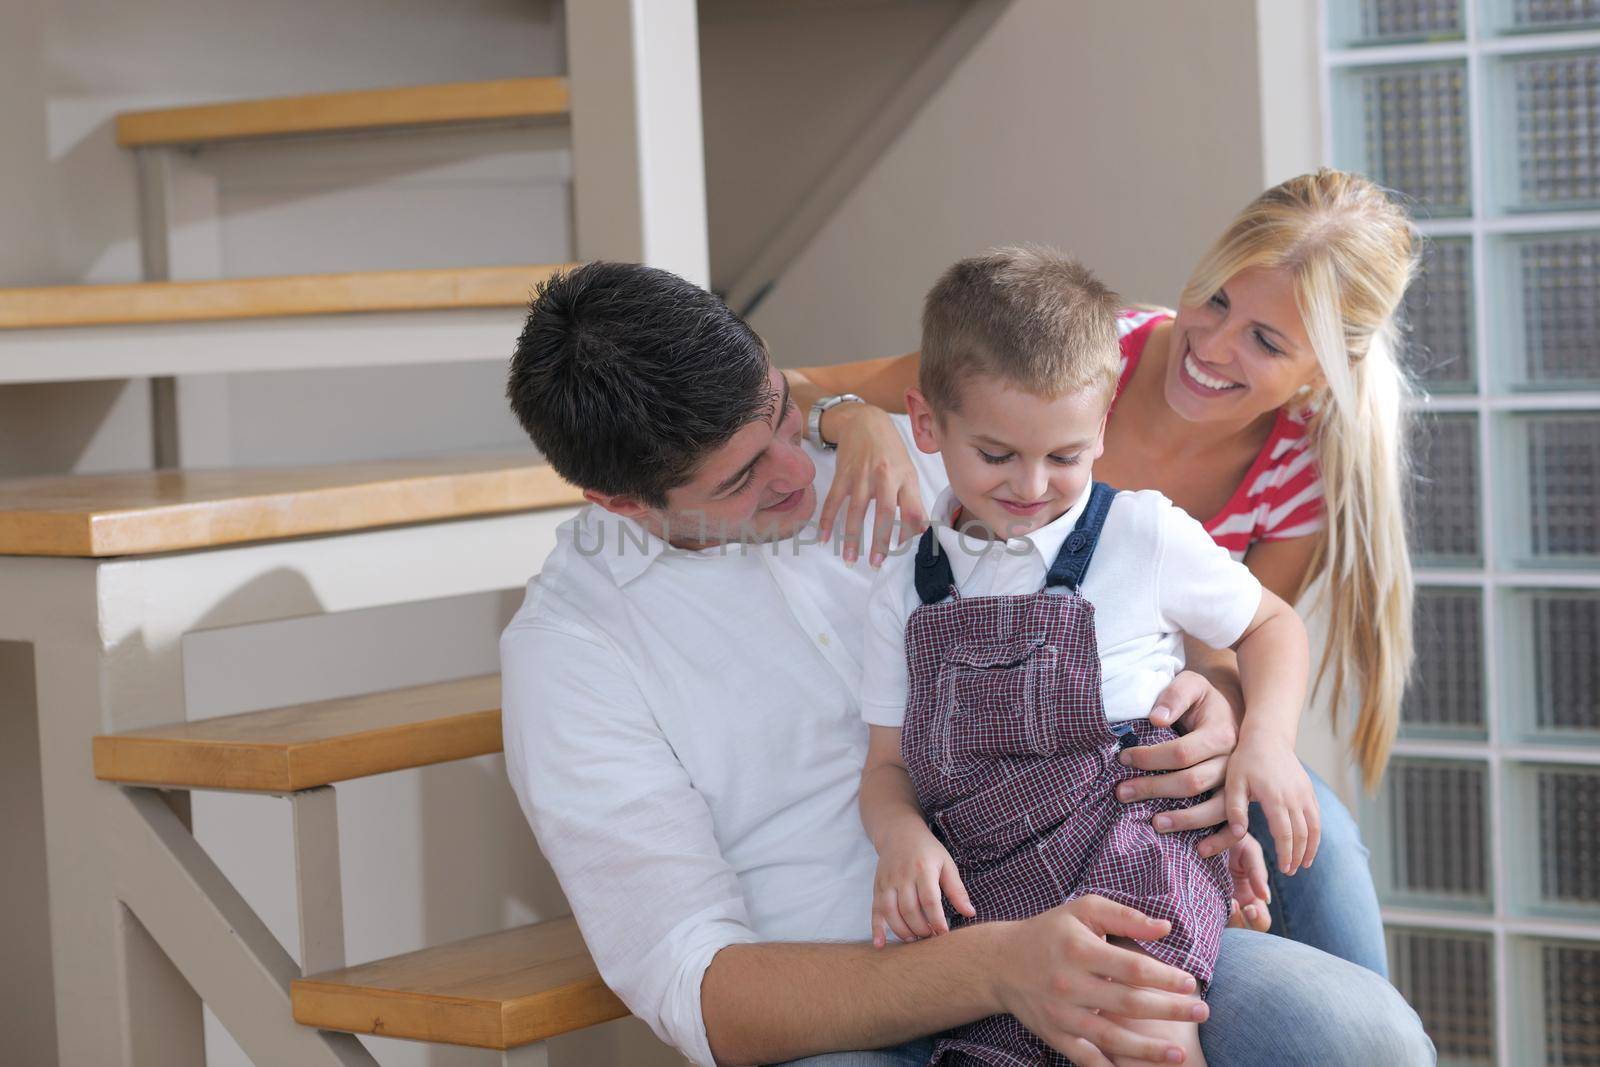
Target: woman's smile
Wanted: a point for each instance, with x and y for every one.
(1194, 375)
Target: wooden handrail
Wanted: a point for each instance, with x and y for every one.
(508, 99)
(252, 298)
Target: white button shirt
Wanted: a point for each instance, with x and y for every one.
(683, 732)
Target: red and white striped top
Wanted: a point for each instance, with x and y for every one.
(1280, 496)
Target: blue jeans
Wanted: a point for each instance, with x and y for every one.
(1273, 1003)
(1332, 904)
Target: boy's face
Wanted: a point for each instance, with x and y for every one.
(1016, 461)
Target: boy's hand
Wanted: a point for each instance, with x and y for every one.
(1251, 894)
(1265, 769)
(912, 869)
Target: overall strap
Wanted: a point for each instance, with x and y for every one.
(1072, 562)
(935, 580)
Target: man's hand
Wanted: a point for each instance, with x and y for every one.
(1058, 975)
(912, 869)
(1196, 763)
(873, 468)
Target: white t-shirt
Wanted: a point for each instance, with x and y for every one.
(1154, 576)
(682, 731)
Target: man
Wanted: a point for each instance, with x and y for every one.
(682, 728)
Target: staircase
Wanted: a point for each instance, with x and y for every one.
(107, 576)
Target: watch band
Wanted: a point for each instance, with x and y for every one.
(820, 408)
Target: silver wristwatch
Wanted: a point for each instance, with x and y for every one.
(814, 420)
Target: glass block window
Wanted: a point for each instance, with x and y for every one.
(1565, 627)
(1449, 979)
(1409, 20)
(1445, 518)
(1553, 14)
(1438, 309)
(1435, 840)
(1558, 281)
(1446, 692)
(1571, 980)
(1483, 118)
(1563, 486)
(1414, 133)
(1569, 836)
(1558, 130)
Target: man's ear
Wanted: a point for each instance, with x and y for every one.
(627, 506)
(1100, 438)
(924, 423)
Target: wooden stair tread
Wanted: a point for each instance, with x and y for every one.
(142, 512)
(307, 745)
(276, 297)
(508, 99)
(497, 991)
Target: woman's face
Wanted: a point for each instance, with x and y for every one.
(1243, 353)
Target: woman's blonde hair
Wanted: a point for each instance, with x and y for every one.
(1352, 251)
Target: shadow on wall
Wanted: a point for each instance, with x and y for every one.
(27, 1001)
(74, 427)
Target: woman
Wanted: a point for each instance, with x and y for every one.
(1271, 407)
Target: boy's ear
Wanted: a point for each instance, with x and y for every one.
(1100, 438)
(924, 423)
(626, 506)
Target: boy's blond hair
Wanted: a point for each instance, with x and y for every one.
(1030, 316)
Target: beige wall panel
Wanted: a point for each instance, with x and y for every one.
(1126, 133)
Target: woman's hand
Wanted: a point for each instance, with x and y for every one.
(1251, 893)
(912, 869)
(873, 468)
(1196, 762)
(1266, 770)
(1064, 981)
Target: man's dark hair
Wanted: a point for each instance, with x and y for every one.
(627, 376)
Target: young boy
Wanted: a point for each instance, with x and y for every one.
(1012, 657)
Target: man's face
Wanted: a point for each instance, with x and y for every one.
(756, 487)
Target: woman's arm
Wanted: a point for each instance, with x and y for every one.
(1284, 566)
(873, 465)
(880, 382)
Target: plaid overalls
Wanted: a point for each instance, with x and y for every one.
(1015, 766)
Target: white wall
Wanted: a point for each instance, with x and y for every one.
(788, 86)
(1125, 133)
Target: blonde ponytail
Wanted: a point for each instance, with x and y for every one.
(1352, 252)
